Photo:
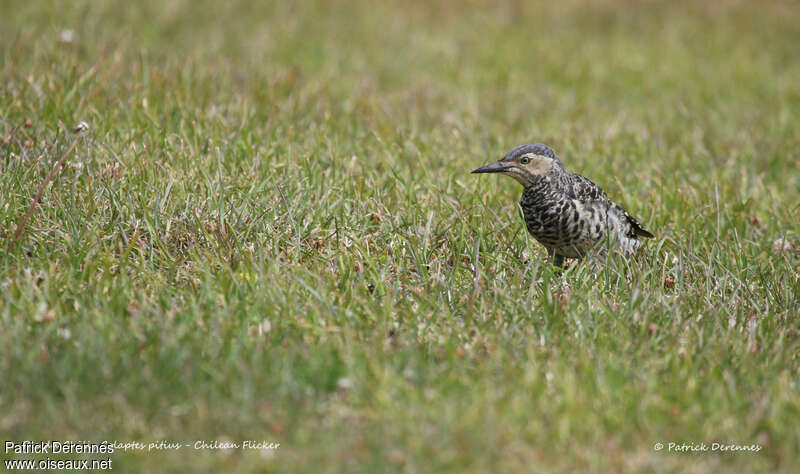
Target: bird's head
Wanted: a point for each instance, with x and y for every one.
(526, 163)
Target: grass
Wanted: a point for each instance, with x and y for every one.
(270, 232)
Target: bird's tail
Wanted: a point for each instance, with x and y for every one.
(636, 228)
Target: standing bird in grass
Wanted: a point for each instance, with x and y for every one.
(565, 212)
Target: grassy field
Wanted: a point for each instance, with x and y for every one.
(270, 232)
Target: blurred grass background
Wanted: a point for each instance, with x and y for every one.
(269, 232)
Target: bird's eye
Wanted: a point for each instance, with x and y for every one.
(525, 160)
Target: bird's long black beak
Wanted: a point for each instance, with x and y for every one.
(493, 168)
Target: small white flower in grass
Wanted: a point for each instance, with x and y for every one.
(80, 127)
(344, 383)
(264, 327)
(67, 36)
(781, 245)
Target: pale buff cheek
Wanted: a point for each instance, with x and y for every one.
(541, 166)
(527, 174)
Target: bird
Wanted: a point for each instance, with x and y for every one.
(566, 212)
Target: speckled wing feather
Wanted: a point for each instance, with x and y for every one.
(584, 190)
